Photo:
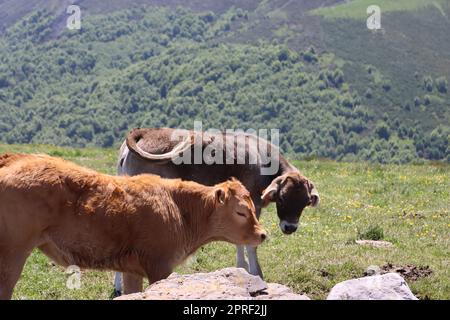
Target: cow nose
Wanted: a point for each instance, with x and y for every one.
(287, 227)
(263, 236)
(290, 228)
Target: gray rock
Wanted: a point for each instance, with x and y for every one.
(228, 283)
(276, 291)
(372, 270)
(375, 243)
(389, 286)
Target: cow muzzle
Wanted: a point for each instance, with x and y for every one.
(288, 227)
(259, 238)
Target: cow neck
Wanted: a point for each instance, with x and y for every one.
(196, 204)
(285, 167)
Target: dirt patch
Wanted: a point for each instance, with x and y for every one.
(324, 273)
(409, 271)
(413, 215)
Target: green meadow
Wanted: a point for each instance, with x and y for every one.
(407, 205)
(357, 9)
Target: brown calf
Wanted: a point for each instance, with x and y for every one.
(142, 225)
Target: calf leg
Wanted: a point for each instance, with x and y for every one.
(240, 258)
(159, 272)
(11, 265)
(132, 283)
(118, 284)
(254, 269)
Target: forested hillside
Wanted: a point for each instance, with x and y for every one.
(332, 87)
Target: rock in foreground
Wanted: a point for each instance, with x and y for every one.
(228, 283)
(389, 286)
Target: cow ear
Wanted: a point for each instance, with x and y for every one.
(270, 192)
(220, 195)
(268, 197)
(315, 198)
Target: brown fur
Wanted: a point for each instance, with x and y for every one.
(142, 225)
(158, 141)
(150, 150)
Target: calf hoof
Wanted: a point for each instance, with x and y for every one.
(116, 293)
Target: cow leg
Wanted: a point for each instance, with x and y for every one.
(240, 258)
(118, 284)
(254, 269)
(132, 283)
(11, 265)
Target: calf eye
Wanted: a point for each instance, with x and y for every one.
(241, 214)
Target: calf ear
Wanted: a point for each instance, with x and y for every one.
(220, 195)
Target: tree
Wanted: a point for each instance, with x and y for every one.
(442, 84)
(428, 83)
(382, 130)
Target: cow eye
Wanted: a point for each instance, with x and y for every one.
(241, 214)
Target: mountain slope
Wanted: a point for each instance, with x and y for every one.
(357, 95)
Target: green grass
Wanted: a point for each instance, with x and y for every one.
(408, 203)
(356, 9)
(103, 160)
(372, 233)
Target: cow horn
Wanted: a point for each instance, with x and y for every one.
(137, 134)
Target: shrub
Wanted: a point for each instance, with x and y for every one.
(310, 56)
(442, 84)
(417, 101)
(386, 85)
(283, 55)
(382, 130)
(428, 83)
(372, 233)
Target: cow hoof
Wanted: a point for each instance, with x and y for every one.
(257, 273)
(243, 265)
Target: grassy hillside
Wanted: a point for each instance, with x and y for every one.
(357, 9)
(407, 205)
(397, 63)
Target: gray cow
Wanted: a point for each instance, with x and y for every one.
(171, 153)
